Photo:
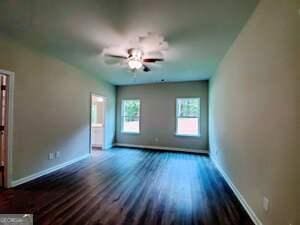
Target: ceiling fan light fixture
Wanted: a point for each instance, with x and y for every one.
(140, 53)
(135, 60)
(135, 64)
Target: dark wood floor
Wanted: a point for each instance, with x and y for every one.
(130, 187)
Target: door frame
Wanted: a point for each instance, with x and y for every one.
(104, 119)
(9, 139)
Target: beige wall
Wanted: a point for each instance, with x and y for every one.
(158, 114)
(51, 108)
(254, 123)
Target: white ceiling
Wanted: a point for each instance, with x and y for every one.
(199, 32)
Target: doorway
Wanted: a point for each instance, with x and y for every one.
(98, 103)
(6, 104)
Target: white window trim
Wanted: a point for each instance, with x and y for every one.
(176, 118)
(122, 120)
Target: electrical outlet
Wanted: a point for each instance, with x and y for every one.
(156, 139)
(266, 203)
(57, 154)
(51, 156)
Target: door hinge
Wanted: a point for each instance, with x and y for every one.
(3, 87)
(2, 128)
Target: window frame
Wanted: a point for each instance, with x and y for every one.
(122, 116)
(176, 118)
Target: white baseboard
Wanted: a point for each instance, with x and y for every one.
(47, 171)
(108, 146)
(238, 194)
(199, 151)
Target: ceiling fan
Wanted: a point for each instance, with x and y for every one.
(136, 59)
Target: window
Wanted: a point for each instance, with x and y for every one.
(131, 116)
(188, 116)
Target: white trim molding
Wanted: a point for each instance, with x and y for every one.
(109, 146)
(47, 171)
(199, 151)
(237, 193)
(10, 126)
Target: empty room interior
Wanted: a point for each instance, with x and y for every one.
(139, 112)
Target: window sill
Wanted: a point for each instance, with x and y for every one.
(133, 133)
(187, 135)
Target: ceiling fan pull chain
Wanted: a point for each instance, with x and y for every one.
(134, 75)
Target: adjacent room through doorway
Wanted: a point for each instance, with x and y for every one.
(97, 122)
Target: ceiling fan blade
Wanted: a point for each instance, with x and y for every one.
(129, 51)
(116, 56)
(154, 54)
(112, 61)
(153, 60)
(146, 68)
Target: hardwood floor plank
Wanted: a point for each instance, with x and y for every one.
(130, 187)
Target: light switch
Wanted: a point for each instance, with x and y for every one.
(51, 156)
(266, 204)
(57, 154)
